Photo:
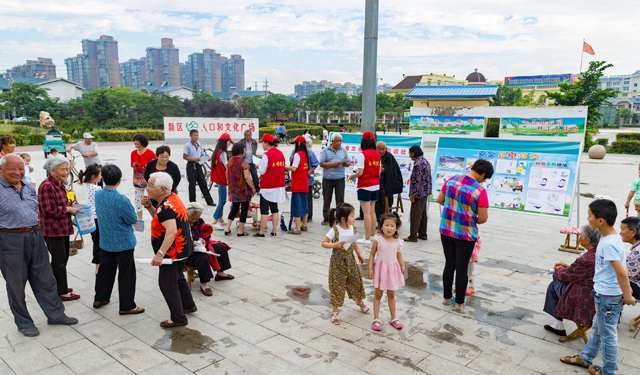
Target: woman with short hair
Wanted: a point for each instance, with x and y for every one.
(241, 188)
(465, 204)
(116, 217)
(140, 157)
(201, 236)
(170, 239)
(419, 193)
(7, 145)
(54, 212)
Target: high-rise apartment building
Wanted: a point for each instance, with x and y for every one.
(204, 69)
(101, 66)
(184, 81)
(232, 73)
(627, 86)
(41, 68)
(163, 64)
(75, 69)
(133, 73)
(309, 87)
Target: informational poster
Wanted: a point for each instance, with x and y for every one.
(531, 176)
(84, 219)
(453, 125)
(398, 146)
(555, 127)
(209, 129)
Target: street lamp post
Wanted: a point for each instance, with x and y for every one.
(370, 57)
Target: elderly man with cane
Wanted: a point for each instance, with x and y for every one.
(23, 252)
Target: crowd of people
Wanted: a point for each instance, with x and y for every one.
(37, 224)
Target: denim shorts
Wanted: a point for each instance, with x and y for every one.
(367, 195)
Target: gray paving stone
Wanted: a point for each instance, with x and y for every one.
(28, 357)
(291, 351)
(291, 329)
(135, 356)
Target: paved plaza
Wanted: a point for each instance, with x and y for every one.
(274, 318)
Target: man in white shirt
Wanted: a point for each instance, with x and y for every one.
(88, 149)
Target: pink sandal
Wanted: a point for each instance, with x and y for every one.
(395, 323)
(364, 308)
(376, 326)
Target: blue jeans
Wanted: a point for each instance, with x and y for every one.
(604, 333)
(222, 200)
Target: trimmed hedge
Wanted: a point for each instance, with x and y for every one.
(625, 147)
(628, 137)
(20, 138)
(127, 135)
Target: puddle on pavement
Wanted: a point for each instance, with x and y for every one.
(416, 278)
(516, 267)
(309, 294)
(184, 341)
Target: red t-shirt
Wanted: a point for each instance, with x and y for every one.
(139, 164)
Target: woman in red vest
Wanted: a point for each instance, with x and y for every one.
(271, 183)
(299, 184)
(368, 175)
(219, 176)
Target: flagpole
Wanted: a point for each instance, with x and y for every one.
(581, 56)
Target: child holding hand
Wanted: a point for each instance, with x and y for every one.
(344, 273)
(389, 267)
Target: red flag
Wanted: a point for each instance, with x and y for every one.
(587, 48)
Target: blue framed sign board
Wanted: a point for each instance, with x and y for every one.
(530, 176)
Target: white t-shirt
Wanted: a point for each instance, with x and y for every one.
(85, 149)
(360, 164)
(342, 233)
(296, 160)
(307, 137)
(223, 158)
(275, 195)
(325, 134)
(90, 194)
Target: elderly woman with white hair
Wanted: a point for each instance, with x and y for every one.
(203, 262)
(569, 293)
(171, 241)
(333, 160)
(54, 212)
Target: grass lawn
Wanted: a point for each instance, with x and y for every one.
(8, 128)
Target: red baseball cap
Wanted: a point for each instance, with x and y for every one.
(300, 139)
(268, 138)
(226, 136)
(368, 135)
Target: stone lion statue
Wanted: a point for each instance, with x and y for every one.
(46, 121)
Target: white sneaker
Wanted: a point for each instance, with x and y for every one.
(218, 226)
(364, 241)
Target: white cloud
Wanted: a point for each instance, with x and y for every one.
(324, 40)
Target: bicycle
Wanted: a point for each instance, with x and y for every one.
(73, 173)
(285, 138)
(207, 168)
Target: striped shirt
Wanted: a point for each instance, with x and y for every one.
(463, 196)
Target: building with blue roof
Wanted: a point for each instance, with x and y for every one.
(453, 96)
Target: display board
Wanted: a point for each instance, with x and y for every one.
(178, 128)
(531, 176)
(448, 125)
(398, 146)
(556, 127)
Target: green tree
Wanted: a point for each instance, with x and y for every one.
(102, 109)
(27, 99)
(325, 99)
(338, 112)
(623, 113)
(507, 96)
(585, 91)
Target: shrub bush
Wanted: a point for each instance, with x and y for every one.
(588, 142)
(36, 139)
(628, 136)
(602, 142)
(127, 135)
(625, 147)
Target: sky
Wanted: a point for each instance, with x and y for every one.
(290, 41)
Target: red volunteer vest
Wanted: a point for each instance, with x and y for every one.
(300, 178)
(274, 176)
(218, 175)
(371, 175)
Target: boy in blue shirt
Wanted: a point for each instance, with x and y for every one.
(611, 289)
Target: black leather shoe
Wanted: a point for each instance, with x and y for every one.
(559, 332)
(29, 332)
(212, 204)
(65, 321)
